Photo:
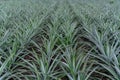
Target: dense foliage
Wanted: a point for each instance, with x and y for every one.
(59, 40)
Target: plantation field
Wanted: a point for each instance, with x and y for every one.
(59, 40)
